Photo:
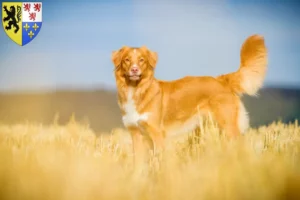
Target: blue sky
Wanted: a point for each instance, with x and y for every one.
(74, 46)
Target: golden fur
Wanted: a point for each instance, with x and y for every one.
(157, 108)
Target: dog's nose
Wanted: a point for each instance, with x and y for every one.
(134, 69)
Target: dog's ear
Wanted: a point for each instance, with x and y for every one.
(117, 55)
(152, 56)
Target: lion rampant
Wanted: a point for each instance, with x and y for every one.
(11, 17)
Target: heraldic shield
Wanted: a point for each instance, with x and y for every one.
(22, 21)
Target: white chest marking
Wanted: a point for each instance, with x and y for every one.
(132, 117)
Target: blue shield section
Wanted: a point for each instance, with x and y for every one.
(29, 31)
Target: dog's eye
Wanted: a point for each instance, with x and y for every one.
(127, 60)
(141, 59)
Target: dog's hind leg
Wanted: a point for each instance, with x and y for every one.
(224, 108)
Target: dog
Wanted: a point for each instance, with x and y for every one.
(158, 109)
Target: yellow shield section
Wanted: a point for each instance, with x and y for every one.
(12, 20)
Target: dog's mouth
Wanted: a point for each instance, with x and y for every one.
(134, 77)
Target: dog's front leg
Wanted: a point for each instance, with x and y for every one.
(140, 147)
(155, 134)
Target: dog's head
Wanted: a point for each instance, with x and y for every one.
(134, 64)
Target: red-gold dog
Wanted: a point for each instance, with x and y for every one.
(160, 108)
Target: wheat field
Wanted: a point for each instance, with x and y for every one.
(70, 162)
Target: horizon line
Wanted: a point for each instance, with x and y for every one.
(109, 88)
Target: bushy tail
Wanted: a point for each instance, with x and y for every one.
(250, 76)
(19, 13)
